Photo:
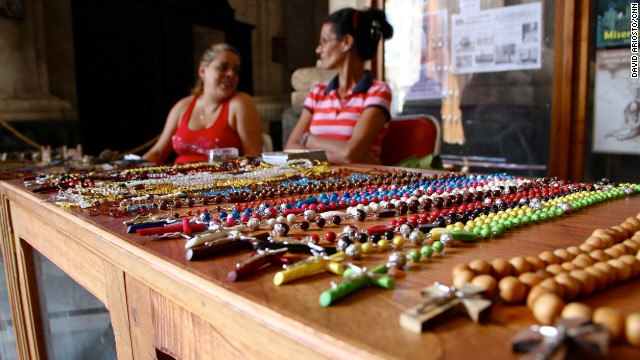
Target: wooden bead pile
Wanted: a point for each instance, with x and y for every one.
(552, 278)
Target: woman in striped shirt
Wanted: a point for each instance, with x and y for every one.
(347, 117)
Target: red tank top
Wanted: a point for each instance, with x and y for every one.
(192, 145)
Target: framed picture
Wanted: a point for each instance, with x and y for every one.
(11, 9)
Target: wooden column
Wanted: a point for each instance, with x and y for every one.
(570, 84)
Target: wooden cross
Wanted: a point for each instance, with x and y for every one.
(356, 278)
(576, 337)
(439, 301)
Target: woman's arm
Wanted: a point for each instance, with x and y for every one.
(356, 149)
(245, 120)
(161, 150)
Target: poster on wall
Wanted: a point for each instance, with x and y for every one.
(500, 39)
(613, 23)
(616, 120)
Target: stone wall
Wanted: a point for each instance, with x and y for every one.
(25, 91)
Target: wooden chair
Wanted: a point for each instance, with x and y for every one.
(418, 134)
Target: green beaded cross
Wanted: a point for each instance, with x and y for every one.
(356, 278)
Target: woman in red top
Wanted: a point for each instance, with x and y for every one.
(214, 116)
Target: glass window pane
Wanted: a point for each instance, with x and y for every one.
(7, 336)
(77, 324)
(485, 68)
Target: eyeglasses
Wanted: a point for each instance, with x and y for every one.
(323, 42)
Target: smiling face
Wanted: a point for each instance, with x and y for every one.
(330, 47)
(220, 76)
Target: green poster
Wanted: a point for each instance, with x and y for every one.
(613, 23)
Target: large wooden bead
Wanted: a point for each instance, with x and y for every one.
(463, 277)
(512, 290)
(607, 235)
(574, 250)
(586, 280)
(576, 310)
(632, 329)
(535, 263)
(547, 308)
(599, 276)
(553, 286)
(611, 319)
(486, 282)
(630, 227)
(582, 260)
(555, 269)
(586, 248)
(608, 270)
(457, 268)
(622, 247)
(549, 258)
(563, 255)
(535, 293)
(633, 262)
(568, 266)
(530, 279)
(599, 255)
(613, 252)
(632, 246)
(501, 268)
(480, 266)
(572, 286)
(623, 269)
(620, 233)
(633, 220)
(596, 241)
(520, 265)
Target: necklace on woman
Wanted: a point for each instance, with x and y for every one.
(202, 114)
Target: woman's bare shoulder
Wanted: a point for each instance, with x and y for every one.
(183, 103)
(240, 97)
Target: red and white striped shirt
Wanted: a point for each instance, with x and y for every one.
(335, 118)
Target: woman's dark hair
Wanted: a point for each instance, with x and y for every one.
(366, 27)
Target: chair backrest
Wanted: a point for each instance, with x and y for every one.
(411, 134)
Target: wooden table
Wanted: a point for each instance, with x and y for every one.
(189, 310)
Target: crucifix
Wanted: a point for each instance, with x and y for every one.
(440, 300)
(221, 245)
(182, 227)
(356, 278)
(294, 245)
(314, 264)
(210, 236)
(576, 337)
(258, 260)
